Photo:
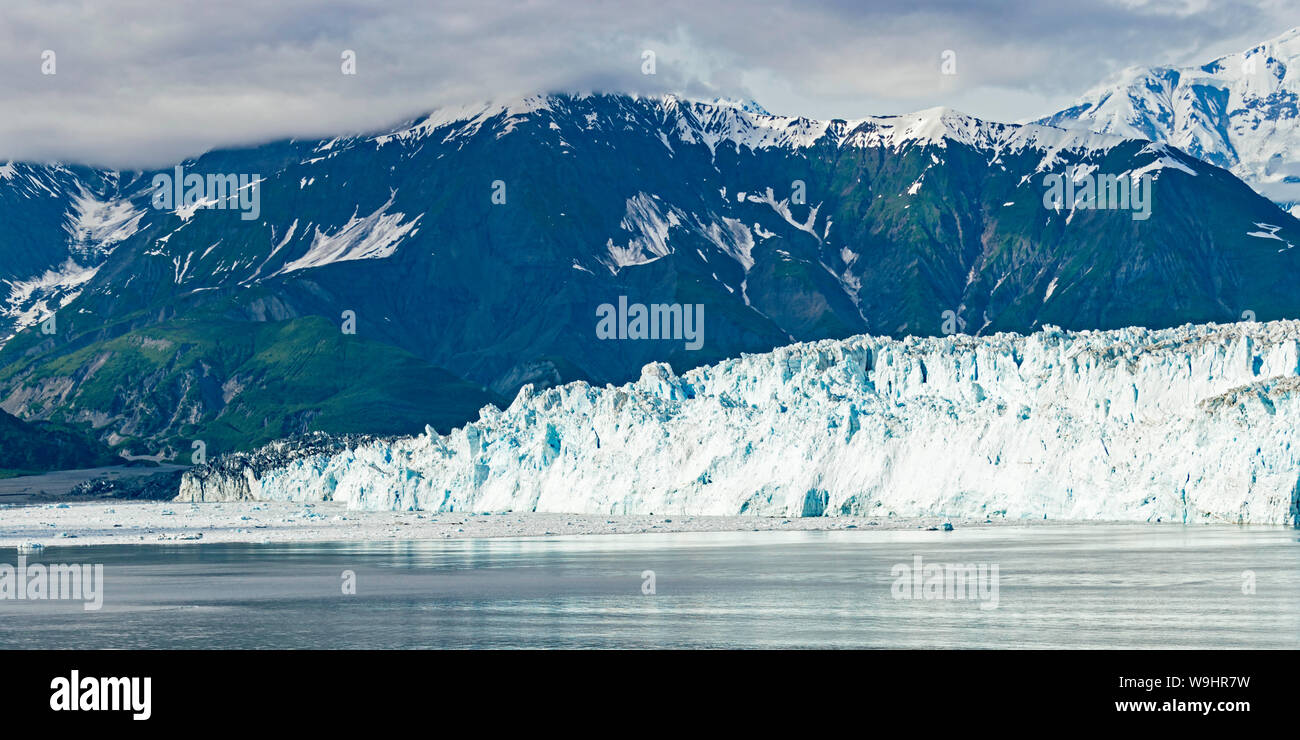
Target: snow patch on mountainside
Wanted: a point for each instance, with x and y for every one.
(782, 209)
(650, 224)
(95, 226)
(735, 239)
(1193, 424)
(373, 237)
(31, 301)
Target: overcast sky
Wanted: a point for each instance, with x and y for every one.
(147, 82)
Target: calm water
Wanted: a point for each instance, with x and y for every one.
(1104, 586)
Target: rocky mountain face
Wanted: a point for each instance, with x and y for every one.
(384, 282)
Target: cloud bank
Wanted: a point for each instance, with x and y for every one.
(138, 83)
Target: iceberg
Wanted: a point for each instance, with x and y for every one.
(1195, 424)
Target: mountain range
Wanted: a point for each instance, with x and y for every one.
(410, 277)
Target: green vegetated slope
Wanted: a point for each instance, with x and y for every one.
(34, 447)
(238, 384)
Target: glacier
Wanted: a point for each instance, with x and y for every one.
(1196, 424)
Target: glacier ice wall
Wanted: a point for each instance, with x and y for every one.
(1193, 424)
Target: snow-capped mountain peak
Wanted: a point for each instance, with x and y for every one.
(1239, 111)
(745, 104)
(937, 126)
